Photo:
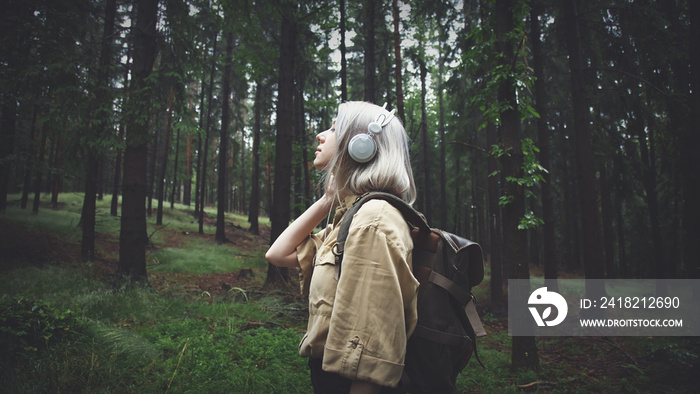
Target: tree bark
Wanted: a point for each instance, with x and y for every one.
(398, 65)
(164, 159)
(13, 57)
(607, 212)
(152, 160)
(254, 209)
(175, 191)
(87, 244)
(524, 349)
(39, 171)
(223, 144)
(498, 298)
(343, 60)
(588, 185)
(303, 190)
(690, 158)
(56, 181)
(205, 158)
(370, 55)
(29, 164)
(443, 142)
(132, 236)
(550, 248)
(424, 156)
(648, 159)
(285, 133)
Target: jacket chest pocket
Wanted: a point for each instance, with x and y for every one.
(325, 256)
(323, 284)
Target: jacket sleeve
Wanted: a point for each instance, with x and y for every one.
(368, 327)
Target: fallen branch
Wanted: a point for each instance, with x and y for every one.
(156, 230)
(617, 346)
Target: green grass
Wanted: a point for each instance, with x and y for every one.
(201, 257)
(134, 339)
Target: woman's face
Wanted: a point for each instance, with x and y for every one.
(327, 144)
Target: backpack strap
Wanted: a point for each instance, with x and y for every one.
(410, 215)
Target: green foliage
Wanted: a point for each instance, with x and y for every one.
(532, 176)
(532, 170)
(529, 221)
(29, 325)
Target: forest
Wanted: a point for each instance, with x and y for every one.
(559, 135)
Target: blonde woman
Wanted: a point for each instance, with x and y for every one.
(359, 321)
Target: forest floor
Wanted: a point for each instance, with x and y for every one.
(567, 364)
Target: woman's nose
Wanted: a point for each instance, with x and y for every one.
(320, 137)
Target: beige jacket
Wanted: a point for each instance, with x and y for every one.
(360, 322)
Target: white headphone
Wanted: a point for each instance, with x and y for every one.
(362, 147)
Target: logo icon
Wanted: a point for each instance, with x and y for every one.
(543, 297)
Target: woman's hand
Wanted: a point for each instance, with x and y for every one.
(330, 195)
(359, 387)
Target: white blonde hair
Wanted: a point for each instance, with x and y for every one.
(389, 171)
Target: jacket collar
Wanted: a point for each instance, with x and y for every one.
(343, 207)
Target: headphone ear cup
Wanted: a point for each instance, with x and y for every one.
(362, 148)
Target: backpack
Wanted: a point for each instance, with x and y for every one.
(447, 267)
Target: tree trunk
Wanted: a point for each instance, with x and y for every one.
(189, 157)
(242, 190)
(343, 60)
(58, 164)
(29, 166)
(303, 191)
(524, 349)
(114, 206)
(199, 148)
(164, 158)
(223, 144)
(17, 42)
(458, 203)
(607, 213)
(120, 153)
(370, 55)
(285, 133)
(152, 160)
(588, 185)
(39, 171)
(398, 65)
(87, 244)
(443, 142)
(550, 248)
(498, 298)
(254, 210)
(647, 153)
(175, 192)
(132, 236)
(205, 158)
(424, 156)
(690, 158)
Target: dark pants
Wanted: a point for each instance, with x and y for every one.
(332, 383)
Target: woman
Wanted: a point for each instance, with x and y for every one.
(358, 321)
